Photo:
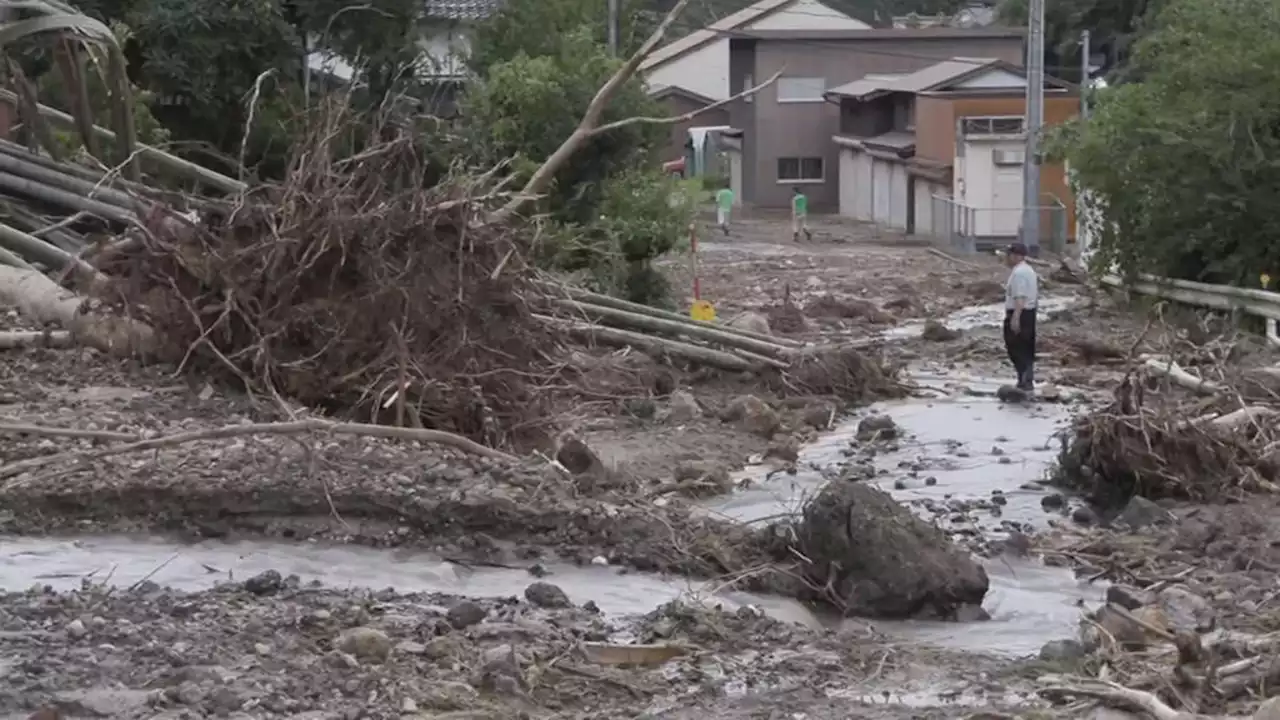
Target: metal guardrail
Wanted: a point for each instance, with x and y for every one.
(1259, 303)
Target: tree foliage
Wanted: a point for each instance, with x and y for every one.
(539, 63)
(1183, 166)
(1114, 27)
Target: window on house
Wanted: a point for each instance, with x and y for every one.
(801, 89)
(800, 169)
(999, 125)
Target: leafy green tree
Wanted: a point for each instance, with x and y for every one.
(1182, 165)
(526, 106)
(1114, 27)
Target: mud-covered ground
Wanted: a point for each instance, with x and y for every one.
(273, 648)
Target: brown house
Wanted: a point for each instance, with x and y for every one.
(678, 101)
(941, 151)
(788, 127)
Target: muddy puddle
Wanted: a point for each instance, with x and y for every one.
(979, 316)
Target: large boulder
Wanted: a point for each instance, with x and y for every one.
(876, 559)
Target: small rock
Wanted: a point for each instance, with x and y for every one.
(1128, 597)
(931, 481)
(576, 456)
(264, 583)
(877, 427)
(449, 696)
(682, 407)
(1062, 651)
(1186, 610)
(751, 322)
(899, 484)
(262, 649)
(1053, 501)
(366, 644)
(753, 415)
(786, 449)
(1127, 632)
(819, 416)
(1011, 394)
(935, 331)
(1141, 513)
(465, 614)
(1084, 515)
(409, 647)
(538, 570)
(408, 706)
(546, 595)
(76, 629)
(600, 560)
(971, 613)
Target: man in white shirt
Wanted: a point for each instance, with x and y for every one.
(1021, 292)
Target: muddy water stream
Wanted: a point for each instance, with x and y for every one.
(970, 444)
(960, 447)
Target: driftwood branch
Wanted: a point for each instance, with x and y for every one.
(20, 340)
(43, 301)
(436, 437)
(672, 120)
(1110, 694)
(627, 338)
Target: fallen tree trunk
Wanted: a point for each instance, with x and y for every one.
(593, 298)
(43, 301)
(64, 199)
(636, 321)
(33, 249)
(627, 338)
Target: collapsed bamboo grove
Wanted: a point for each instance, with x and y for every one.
(366, 284)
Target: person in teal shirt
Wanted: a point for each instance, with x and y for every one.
(724, 205)
(799, 216)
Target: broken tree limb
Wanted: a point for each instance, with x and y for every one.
(23, 339)
(436, 437)
(673, 119)
(1111, 694)
(546, 172)
(628, 338)
(43, 301)
(1170, 369)
(636, 321)
(593, 298)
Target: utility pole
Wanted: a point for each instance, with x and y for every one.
(1085, 67)
(1034, 122)
(613, 27)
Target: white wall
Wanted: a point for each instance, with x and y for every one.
(995, 79)
(706, 69)
(994, 193)
(444, 50)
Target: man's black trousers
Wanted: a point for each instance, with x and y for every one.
(1022, 345)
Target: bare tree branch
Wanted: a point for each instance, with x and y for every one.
(689, 115)
(543, 176)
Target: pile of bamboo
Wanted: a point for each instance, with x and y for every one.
(593, 317)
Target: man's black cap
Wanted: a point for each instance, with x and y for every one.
(1017, 249)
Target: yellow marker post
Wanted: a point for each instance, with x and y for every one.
(701, 309)
(1266, 280)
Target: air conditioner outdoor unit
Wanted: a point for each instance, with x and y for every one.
(1008, 157)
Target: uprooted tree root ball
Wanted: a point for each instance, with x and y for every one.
(849, 373)
(358, 286)
(1157, 448)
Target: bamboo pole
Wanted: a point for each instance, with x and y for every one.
(172, 162)
(592, 298)
(627, 338)
(64, 181)
(634, 321)
(62, 198)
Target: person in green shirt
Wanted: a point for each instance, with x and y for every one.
(800, 216)
(724, 205)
